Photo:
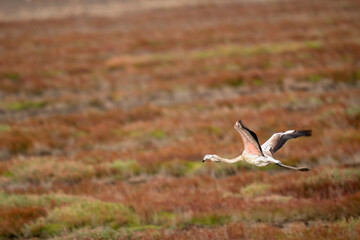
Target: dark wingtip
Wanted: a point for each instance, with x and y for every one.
(304, 169)
(305, 132)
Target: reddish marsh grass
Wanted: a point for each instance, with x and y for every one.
(123, 109)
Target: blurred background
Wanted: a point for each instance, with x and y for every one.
(108, 107)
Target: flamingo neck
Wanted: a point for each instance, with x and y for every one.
(232, 160)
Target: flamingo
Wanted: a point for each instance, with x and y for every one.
(261, 156)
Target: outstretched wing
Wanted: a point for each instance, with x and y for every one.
(277, 140)
(250, 140)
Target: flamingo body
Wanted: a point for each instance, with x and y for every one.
(261, 156)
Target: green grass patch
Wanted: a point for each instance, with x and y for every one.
(356, 75)
(103, 233)
(7, 174)
(314, 78)
(334, 175)
(12, 76)
(271, 212)
(241, 50)
(192, 168)
(88, 213)
(157, 134)
(235, 82)
(181, 168)
(19, 200)
(274, 198)
(255, 189)
(138, 134)
(78, 134)
(44, 230)
(67, 213)
(288, 64)
(266, 65)
(164, 218)
(141, 228)
(315, 101)
(126, 168)
(135, 134)
(212, 130)
(108, 233)
(228, 50)
(53, 73)
(209, 220)
(21, 105)
(353, 111)
(313, 44)
(49, 169)
(4, 128)
(258, 82)
(226, 169)
(233, 67)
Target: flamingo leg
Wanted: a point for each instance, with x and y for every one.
(303, 169)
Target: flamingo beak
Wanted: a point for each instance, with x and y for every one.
(206, 157)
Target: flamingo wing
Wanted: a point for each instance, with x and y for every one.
(250, 140)
(277, 140)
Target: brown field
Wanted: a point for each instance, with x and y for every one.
(104, 121)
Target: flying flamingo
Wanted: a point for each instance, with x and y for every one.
(261, 156)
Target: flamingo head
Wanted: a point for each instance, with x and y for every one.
(238, 124)
(211, 157)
